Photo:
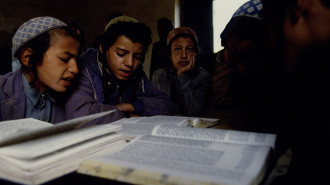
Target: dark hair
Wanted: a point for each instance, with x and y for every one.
(136, 32)
(243, 28)
(39, 45)
(326, 3)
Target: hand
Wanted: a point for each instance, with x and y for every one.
(189, 67)
(125, 107)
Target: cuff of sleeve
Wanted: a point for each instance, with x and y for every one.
(139, 106)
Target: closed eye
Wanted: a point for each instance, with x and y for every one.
(121, 54)
(65, 60)
(138, 56)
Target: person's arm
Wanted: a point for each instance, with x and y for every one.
(85, 99)
(193, 93)
(152, 101)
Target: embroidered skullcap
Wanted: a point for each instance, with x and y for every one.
(251, 8)
(179, 31)
(123, 18)
(33, 28)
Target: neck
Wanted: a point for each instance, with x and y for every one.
(35, 82)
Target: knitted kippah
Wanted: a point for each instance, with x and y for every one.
(33, 28)
(123, 18)
(251, 8)
(179, 31)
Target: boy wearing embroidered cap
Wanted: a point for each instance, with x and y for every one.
(113, 76)
(244, 41)
(184, 81)
(47, 50)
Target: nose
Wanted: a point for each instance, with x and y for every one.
(129, 61)
(183, 53)
(73, 67)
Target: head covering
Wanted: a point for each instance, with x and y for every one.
(251, 8)
(123, 18)
(33, 28)
(245, 22)
(179, 31)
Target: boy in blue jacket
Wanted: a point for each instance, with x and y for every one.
(112, 77)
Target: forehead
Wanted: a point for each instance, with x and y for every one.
(125, 43)
(183, 41)
(57, 34)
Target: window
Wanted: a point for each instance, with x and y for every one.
(222, 12)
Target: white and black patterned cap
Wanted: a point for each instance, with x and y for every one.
(33, 28)
(251, 8)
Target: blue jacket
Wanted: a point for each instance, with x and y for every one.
(89, 96)
(12, 99)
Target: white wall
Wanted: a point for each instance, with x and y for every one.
(222, 12)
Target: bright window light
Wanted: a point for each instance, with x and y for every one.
(222, 12)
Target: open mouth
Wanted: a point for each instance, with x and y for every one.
(183, 63)
(126, 72)
(68, 79)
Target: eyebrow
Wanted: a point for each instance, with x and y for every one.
(118, 48)
(70, 54)
(128, 51)
(188, 46)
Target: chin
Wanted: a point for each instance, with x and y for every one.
(61, 89)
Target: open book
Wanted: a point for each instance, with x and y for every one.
(186, 155)
(33, 151)
(136, 126)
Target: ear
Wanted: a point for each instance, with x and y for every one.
(25, 56)
(100, 48)
(298, 9)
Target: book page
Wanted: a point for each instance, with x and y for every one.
(185, 120)
(161, 120)
(136, 126)
(62, 163)
(45, 145)
(165, 160)
(13, 127)
(34, 165)
(228, 136)
(132, 130)
(46, 131)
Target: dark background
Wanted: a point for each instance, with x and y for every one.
(91, 15)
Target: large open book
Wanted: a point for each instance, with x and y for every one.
(186, 155)
(33, 151)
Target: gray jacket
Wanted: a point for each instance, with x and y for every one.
(189, 91)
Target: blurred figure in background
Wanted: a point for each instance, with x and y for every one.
(241, 70)
(159, 55)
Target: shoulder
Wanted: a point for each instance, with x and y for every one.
(88, 60)
(203, 72)
(160, 74)
(11, 82)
